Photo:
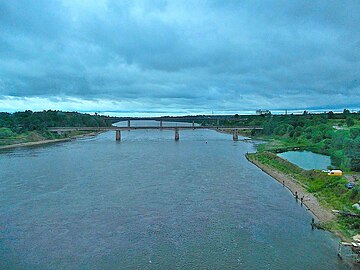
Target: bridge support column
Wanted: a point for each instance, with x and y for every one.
(235, 135)
(193, 124)
(118, 135)
(129, 124)
(218, 122)
(161, 124)
(177, 136)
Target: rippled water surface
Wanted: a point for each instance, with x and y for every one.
(149, 202)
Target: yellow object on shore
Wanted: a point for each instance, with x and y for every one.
(335, 173)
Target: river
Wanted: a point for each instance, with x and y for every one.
(149, 202)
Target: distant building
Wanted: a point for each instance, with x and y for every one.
(262, 112)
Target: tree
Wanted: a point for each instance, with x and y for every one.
(298, 131)
(346, 112)
(353, 152)
(330, 115)
(5, 133)
(349, 121)
(317, 136)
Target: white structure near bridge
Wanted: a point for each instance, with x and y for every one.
(262, 112)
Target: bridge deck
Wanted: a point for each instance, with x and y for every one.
(63, 129)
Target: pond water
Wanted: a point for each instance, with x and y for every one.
(307, 160)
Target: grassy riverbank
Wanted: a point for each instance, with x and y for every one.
(328, 190)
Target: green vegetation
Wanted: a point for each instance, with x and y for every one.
(314, 181)
(330, 190)
(31, 126)
(333, 134)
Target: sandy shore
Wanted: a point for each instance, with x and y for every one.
(310, 201)
(46, 141)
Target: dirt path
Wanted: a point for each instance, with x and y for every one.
(310, 201)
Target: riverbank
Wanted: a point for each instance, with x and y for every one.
(322, 214)
(42, 142)
(321, 193)
(244, 133)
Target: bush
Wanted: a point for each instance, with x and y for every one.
(349, 121)
(5, 133)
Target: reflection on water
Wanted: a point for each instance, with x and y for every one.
(149, 202)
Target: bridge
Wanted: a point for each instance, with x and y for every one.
(160, 127)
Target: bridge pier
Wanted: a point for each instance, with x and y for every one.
(218, 122)
(235, 135)
(177, 136)
(234, 130)
(161, 124)
(118, 135)
(129, 124)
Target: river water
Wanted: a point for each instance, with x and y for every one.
(149, 202)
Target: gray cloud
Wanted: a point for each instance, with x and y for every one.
(215, 55)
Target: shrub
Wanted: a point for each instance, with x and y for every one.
(5, 133)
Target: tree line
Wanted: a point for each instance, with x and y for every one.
(333, 134)
(22, 122)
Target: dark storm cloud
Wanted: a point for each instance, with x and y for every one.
(215, 55)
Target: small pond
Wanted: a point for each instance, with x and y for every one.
(307, 160)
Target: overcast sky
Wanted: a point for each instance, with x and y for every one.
(179, 57)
